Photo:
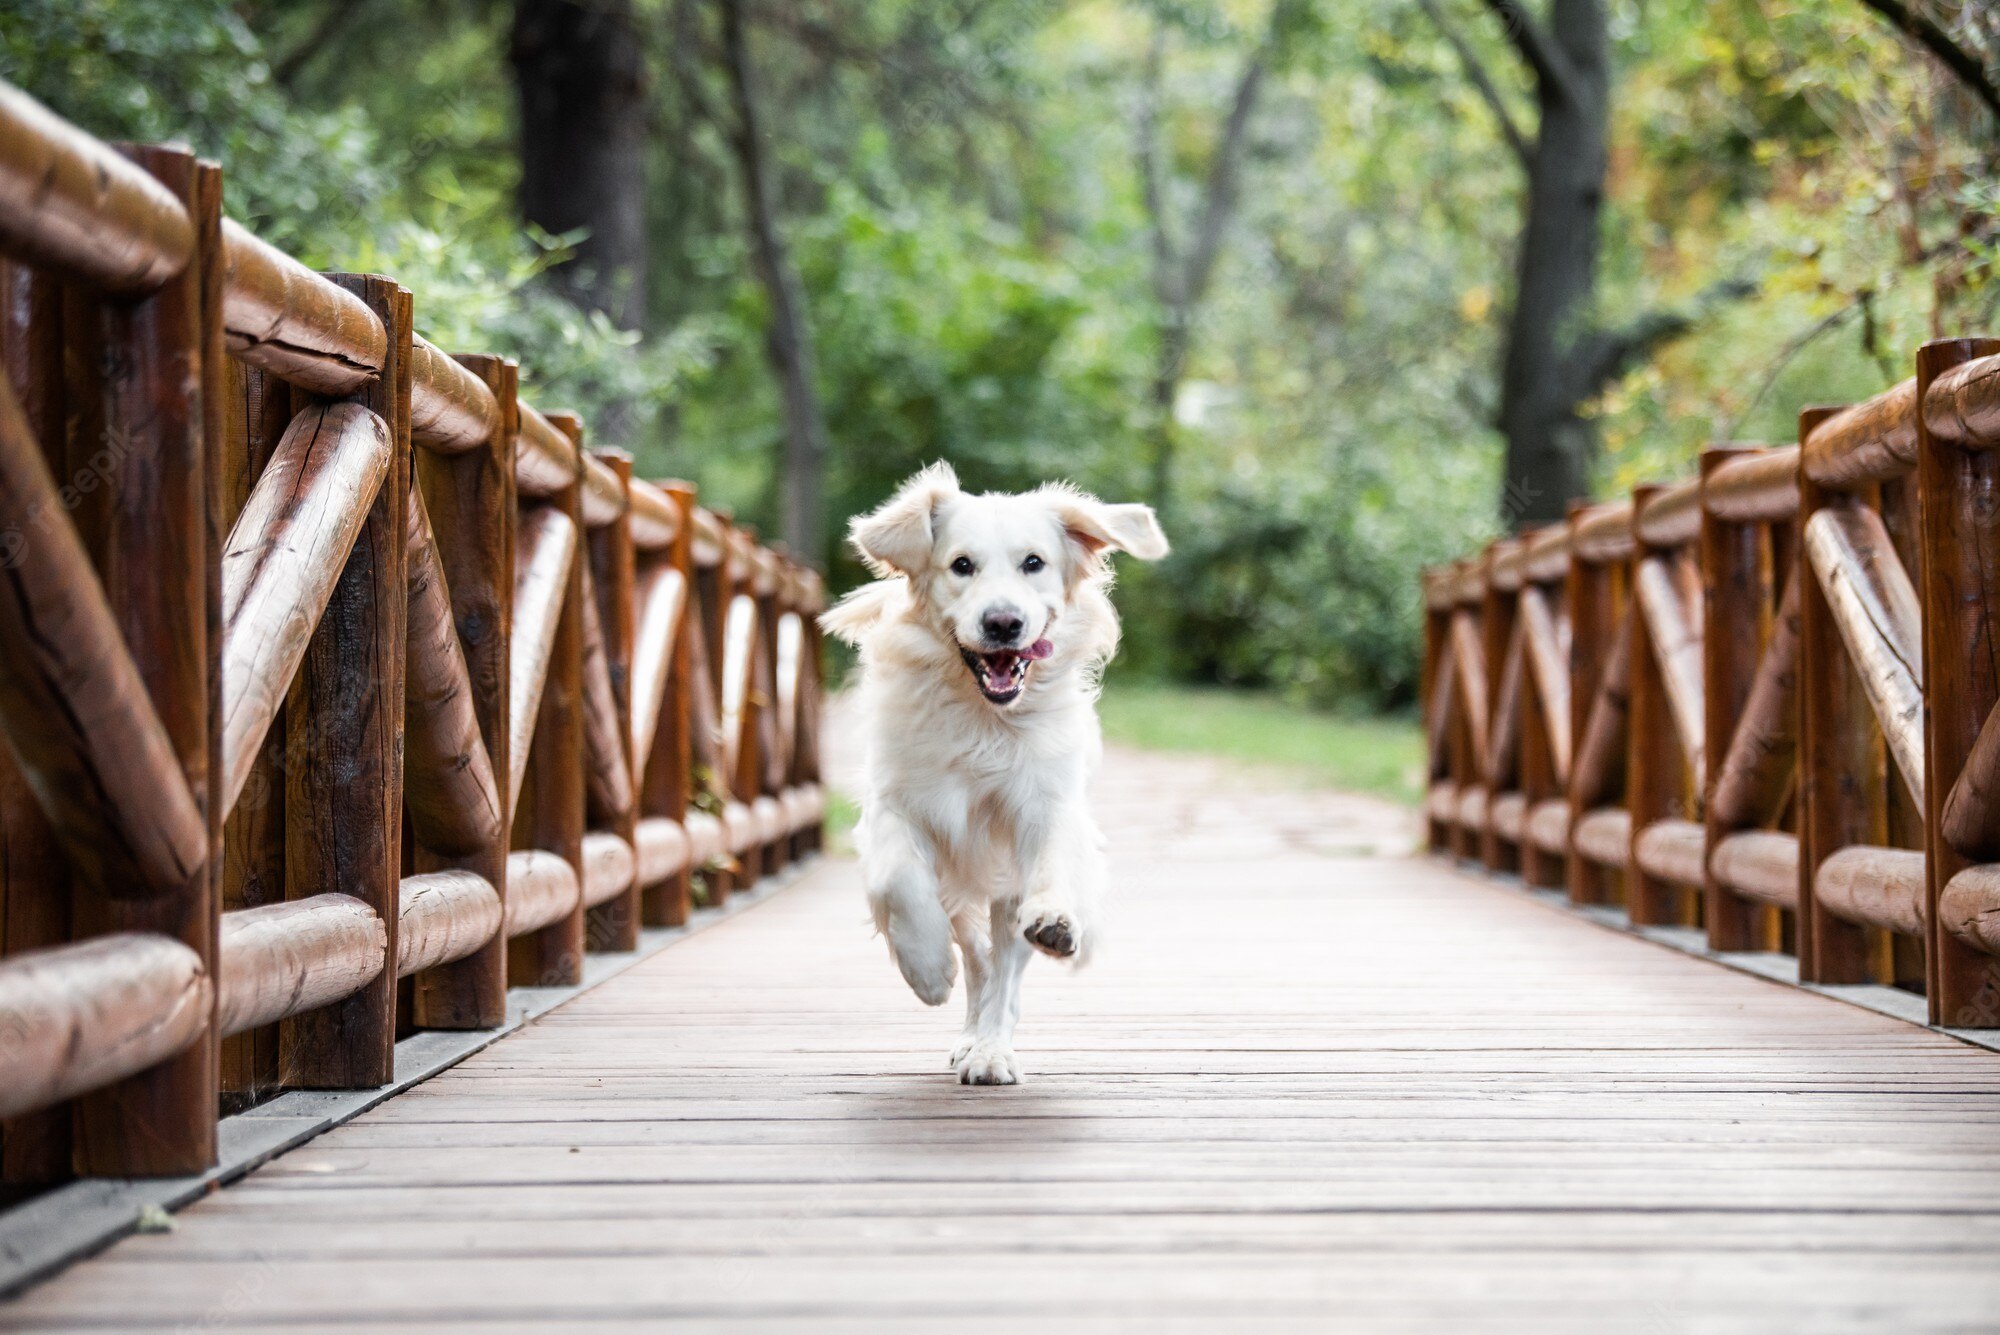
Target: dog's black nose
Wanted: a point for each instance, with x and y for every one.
(1002, 625)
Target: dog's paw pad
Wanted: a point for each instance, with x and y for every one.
(989, 1065)
(1052, 936)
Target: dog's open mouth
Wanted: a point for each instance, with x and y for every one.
(1003, 674)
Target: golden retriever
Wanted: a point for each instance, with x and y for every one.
(981, 647)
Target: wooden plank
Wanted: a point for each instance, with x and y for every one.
(1216, 1127)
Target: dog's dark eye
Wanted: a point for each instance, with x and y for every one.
(962, 566)
(1031, 565)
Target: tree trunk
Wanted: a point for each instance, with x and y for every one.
(1180, 282)
(580, 75)
(788, 338)
(1550, 447)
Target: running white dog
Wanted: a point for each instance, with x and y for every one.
(980, 650)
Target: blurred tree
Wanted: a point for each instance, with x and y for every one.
(788, 337)
(579, 74)
(1558, 357)
(1965, 63)
(1181, 279)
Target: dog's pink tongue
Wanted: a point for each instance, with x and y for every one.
(1037, 651)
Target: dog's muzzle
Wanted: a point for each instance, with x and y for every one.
(1003, 673)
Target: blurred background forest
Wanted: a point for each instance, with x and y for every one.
(1345, 286)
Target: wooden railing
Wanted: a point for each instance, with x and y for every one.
(342, 688)
(1759, 702)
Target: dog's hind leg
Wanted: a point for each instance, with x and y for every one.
(968, 928)
(990, 1060)
(897, 867)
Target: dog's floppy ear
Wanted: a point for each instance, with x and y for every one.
(896, 539)
(1097, 528)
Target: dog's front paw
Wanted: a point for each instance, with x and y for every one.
(966, 1043)
(989, 1064)
(1053, 933)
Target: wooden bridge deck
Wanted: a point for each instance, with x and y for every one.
(1306, 1085)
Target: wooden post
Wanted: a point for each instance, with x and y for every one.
(1497, 609)
(764, 676)
(1656, 773)
(151, 371)
(614, 925)
(1960, 591)
(1436, 628)
(1539, 779)
(34, 874)
(550, 816)
(472, 507)
(344, 751)
(1737, 602)
(1465, 768)
(253, 843)
(667, 785)
(1841, 760)
(717, 586)
(1592, 591)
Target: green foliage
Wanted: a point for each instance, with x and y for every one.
(958, 187)
(1383, 756)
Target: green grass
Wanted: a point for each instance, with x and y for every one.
(1383, 756)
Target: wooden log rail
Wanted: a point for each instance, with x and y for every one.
(1778, 681)
(456, 700)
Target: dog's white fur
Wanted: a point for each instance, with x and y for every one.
(974, 827)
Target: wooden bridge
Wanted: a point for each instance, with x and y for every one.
(410, 916)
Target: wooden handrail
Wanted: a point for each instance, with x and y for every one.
(541, 888)
(82, 1016)
(70, 201)
(1469, 664)
(282, 561)
(448, 782)
(1867, 443)
(1596, 774)
(1755, 488)
(141, 670)
(1548, 665)
(661, 599)
(444, 916)
(542, 553)
(1875, 607)
(1672, 517)
(281, 960)
(283, 317)
(1677, 648)
(606, 769)
(72, 703)
(1503, 747)
(1875, 887)
(451, 409)
(1763, 749)
(608, 867)
(1762, 864)
(1962, 406)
